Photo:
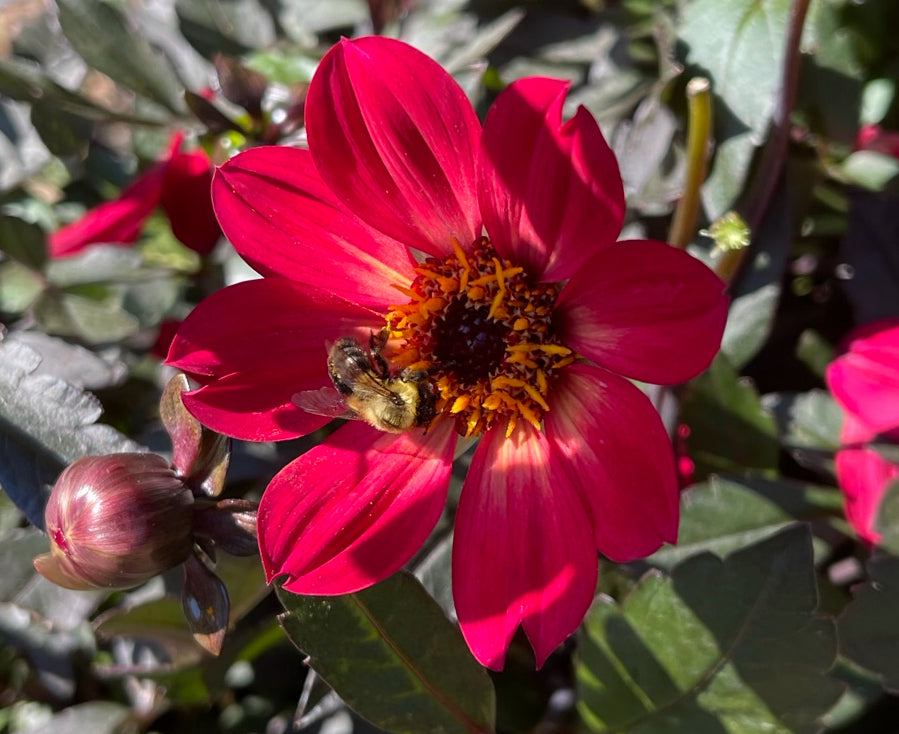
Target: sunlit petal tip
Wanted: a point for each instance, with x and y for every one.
(337, 532)
(553, 208)
(386, 123)
(523, 551)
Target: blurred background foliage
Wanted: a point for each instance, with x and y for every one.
(769, 615)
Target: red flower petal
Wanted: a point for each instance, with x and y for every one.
(257, 405)
(253, 345)
(550, 193)
(283, 220)
(395, 137)
(187, 201)
(523, 551)
(612, 440)
(354, 509)
(646, 310)
(864, 476)
(865, 380)
(114, 222)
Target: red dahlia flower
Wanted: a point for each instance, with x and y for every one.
(179, 184)
(488, 257)
(865, 382)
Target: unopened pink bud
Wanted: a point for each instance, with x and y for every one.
(115, 521)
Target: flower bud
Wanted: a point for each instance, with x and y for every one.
(115, 521)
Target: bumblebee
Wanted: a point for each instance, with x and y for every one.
(366, 389)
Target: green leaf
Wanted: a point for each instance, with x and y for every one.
(733, 646)
(887, 520)
(44, 425)
(485, 40)
(722, 516)
(100, 34)
(102, 264)
(76, 365)
(27, 84)
(832, 73)
(870, 170)
(815, 352)
(730, 431)
(868, 631)
(411, 670)
(19, 286)
(51, 649)
(23, 241)
(97, 717)
(16, 551)
(739, 45)
(245, 580)
(92, 321)
(435, 573)
(64, 133)
(160, 623)
(877, 98)
(749, 322)
(809, 420)
(233, 28)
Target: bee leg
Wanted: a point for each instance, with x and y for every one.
(376, 342)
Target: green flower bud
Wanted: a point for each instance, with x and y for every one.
(115, 521)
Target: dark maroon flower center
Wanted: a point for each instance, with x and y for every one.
(482, 332)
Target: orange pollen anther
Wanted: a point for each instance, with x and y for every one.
(483, 334)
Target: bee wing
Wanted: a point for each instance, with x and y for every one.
(324, 401)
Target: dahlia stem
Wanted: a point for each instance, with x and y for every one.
(699, 120)
(774, 156)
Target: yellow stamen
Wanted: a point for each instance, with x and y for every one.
(454, 303)
(430, 274)
(556, 349)
(448, 285)
(530, 416)
(497, 302)
(434, 304)
(463, 261)
(460, 404)
(535, 396)
(406, 292)
(523, 359)
(422, 365)
(499, 274)
(541, 381)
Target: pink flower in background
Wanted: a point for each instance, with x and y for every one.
(865, 382)
(487, 259)
(874, 137)
(179, 184)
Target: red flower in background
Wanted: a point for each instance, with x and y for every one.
(522, 337)
(865, 382)
(179, 184)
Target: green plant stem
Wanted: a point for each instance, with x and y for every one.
(699, 115)
(774, 156)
